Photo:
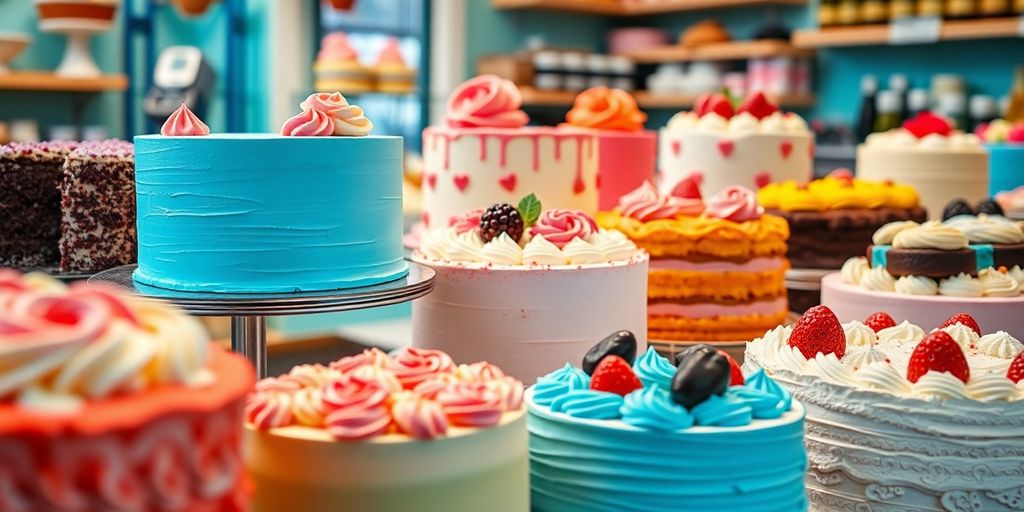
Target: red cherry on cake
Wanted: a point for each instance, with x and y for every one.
(962, 318)
(818, 331)
(757, 105)
(938, 352)
(614, 375)
(687, 188)
(720, 105)
(735, 372)
(1016, 370)
(880, 320)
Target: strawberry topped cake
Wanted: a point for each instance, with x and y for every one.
(900, 417)
(408, 431)
(717, 267)
(108, 402)
(527, 288)
(629, 430)
(721, 144)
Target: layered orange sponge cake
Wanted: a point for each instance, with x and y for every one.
(717, 270)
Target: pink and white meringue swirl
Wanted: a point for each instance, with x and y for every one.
(466, 221)
(382, 376)
(280, 384)
(183, 123)
(646, 204)
(310, 123)
(735, 203)
(355, 411)
(479, 371)
(267, 410)
(486, 101)
(346, 391)
(418, 416)
(370, 356)
(349, 120)
(561, 226)
(308, 407)
(434, 385)
(309, 375)
(472, 404)
(511, 391)
(414, 365)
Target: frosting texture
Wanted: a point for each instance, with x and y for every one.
(486, 101)
(183, 123)
(606, 109)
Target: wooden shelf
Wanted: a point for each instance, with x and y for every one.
(879, 34)
(735, 50)
(47, 81)
(538, 98)
(632, 7)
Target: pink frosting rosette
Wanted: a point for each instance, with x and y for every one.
(348, 119)
(370, 356)
(646, 204)
(414, 365)
(486, 101)
(308, 375)
(357, 408)
(310, 123)
(472, 404)
(466, 221)
(510, 389)
(335, 46)
(434, 385)
(560, 226)
(183, 123)
(381, 376)
(281, 384)
(479, 371)
(418, 416)
(268, 409)
(735, 203)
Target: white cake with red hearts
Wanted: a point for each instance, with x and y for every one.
(900, 418)
(484, 153)
(722, 145)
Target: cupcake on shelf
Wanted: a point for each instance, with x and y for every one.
(903, 416)
(929, 154)
(1005, 144)
(717, 269)
(627, 153)
(109, 402)
(337, 67)
(721, 144)
(526, 288)
(408, 431)
(631, 430)
(393, 75)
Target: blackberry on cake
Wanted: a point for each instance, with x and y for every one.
(501, 218)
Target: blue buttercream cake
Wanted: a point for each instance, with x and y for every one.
(666, 445)
(1006, 166)
(267, 213)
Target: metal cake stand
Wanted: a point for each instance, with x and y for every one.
(249, 312)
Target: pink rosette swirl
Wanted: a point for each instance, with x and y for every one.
(434, 385)
(418, 416)
(282, 384)
(479, 372)
(266, 410)
(486, 101)
(309, 375)
(471, 404)
(357, 409)
(348, 119)
(511, 391)
(561, 226)
(381, 376)
(414, 365)
(183, 123)
(735, 203)
(370, 356)
(310, 123)
(646, 204)
(466, 221)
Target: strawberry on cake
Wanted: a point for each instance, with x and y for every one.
(630, 430)
(900, 418)
(721, 144)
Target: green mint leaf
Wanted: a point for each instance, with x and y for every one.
(529, 209)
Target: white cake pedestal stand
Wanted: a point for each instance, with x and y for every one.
(249, 312)
(78, 20)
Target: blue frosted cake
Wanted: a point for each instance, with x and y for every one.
(318, 207)
(641, 434)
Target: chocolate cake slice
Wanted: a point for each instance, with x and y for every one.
(30, 203)
(97, 196)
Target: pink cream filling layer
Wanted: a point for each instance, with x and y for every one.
(754, 265)
(766, 307)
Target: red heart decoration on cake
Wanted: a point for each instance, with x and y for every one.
(578, 186)
(426, 219)
(762, 179)
(461, 181)
(677, 147)
(786, 148)
(508, 182)
(725, 147)
(431, 180)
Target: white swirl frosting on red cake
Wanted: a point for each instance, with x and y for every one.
(417, 393)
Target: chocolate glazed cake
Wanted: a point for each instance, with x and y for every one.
(30, 203)
(97, 195)
(826, 239)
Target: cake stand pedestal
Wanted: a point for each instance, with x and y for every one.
(249, 312)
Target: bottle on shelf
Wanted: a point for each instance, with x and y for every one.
(900, 84)
(918, 100)
(953, 105)
(874, 11)
(960, 9)
(982, 110)
(888, 105)
(929, 8)
(828, 14)
(866, 118)
(848, 12)
(900, 9)
(1015, 108)
(993, 8)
